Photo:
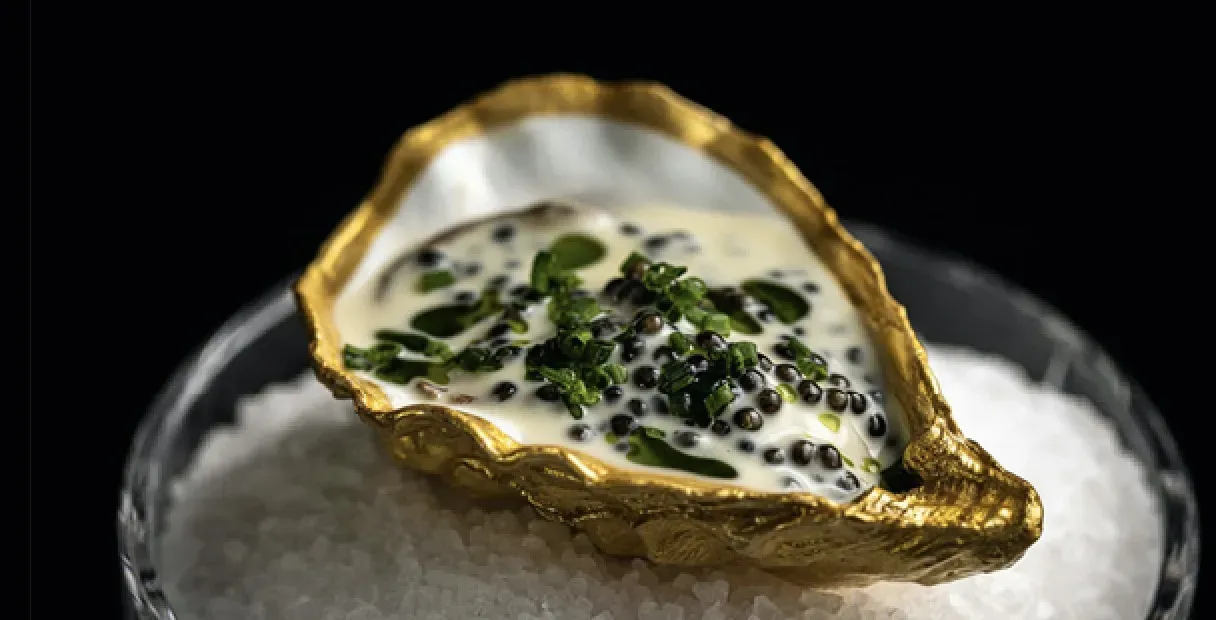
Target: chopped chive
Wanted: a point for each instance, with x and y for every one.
(646, 449)
(787, 393)
(355, 358)
(719, 397)
(575, 251)
(716, 322)
(787, 305)
(870, 466)
(830, 420)
(679, 343)
(433, 280)
(618, 373)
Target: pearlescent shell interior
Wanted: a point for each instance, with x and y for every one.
(612, 145)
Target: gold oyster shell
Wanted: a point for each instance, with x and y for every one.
(969, 516)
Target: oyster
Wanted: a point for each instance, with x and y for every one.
(953, 512)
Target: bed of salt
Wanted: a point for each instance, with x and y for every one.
(295, 513)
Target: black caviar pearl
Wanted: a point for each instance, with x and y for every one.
(765, 316)
(642, 296)
(774, 456)
(504, 233)
(853, 354)
(506, 353)
(689, 422)
(720, 427)
(630, 229)
(498, 342)
(646, 377)
(848, 482)
(654, 244)
(803, 452)
(663, 354)
(660, 405)
(429, 257)
(769, 400)
(784, 351)
(614, 287)
(838, 400)
(505, 390)
(636, 271)
(497, 282)
(751, 381)
(687, 439)
(498, 330)
(746, 445)
(519, 290)
(711, 341)
(637, 407)
(621, 424)
(650, 324)
(788, 373)
(613, 393)
(876, 396)
(548, 392)
(698, 362)
(749, 419)
(631, 349)
(511, 264)
(810, 287)
(877, 425)
(765, 362)
(790, 483)
(799, 331)
(580, 432)
(839, 380)
(472, 269)
(857, 402)
(464, 297)
(829, 456)
(810, 392)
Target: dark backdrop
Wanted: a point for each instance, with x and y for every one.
(223, 159)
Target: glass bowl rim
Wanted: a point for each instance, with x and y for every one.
(1177, 576)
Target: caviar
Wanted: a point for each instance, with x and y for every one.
(837, 399)
(769, 400)
(646, 377)
(505, 390)
(749, 419)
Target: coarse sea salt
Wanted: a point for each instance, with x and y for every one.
(297, 513)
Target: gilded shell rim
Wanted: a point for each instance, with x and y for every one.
(969, 516)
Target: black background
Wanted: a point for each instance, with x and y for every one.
(216, 158)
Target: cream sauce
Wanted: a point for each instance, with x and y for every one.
(723, 249)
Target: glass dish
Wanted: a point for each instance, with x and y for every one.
(949, 301)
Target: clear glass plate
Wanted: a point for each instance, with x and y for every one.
(949, 301)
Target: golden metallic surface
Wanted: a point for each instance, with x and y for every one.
(970, 515)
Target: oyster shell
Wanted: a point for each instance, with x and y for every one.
(570, 137)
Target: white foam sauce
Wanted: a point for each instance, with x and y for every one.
(721, 248)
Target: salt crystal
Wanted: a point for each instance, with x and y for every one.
(295, 513)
